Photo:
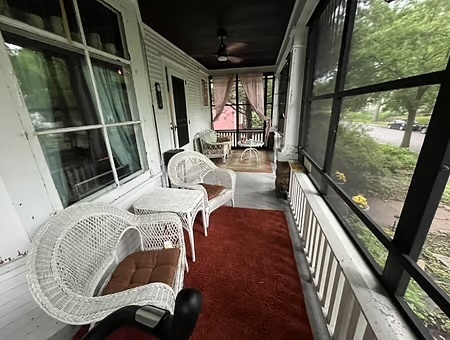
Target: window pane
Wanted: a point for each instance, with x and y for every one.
(102, 26)
(269, 89)
(78, 162)
(330, 26)
(435, 261)
(397, 40)
(249, 119)
(376, 249)
(43, 14)
(426, 309)
(54, 87)
(317, 125)
(112, 91)
(226, 120)
(125, 151)
(282, 96)
(368, 160)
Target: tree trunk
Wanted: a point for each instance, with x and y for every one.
(409, 128)
(248, 119)
(376, 114)
(412, 107)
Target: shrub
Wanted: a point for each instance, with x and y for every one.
(372, 169)
(423, 120)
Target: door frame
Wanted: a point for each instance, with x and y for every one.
(171, 68)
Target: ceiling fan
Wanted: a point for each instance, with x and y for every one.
(223, 51)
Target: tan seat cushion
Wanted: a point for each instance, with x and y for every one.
(142, 268)
(212, 190)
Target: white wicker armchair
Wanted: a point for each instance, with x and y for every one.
(189, 168)
(213, 146)
(74, 254)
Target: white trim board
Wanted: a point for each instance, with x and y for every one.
(242, 70)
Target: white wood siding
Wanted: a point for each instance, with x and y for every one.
(20, 316)
(159, 49)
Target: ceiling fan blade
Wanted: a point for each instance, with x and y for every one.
(235, 60)
(236, 46)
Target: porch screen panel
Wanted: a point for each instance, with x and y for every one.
(375, 132)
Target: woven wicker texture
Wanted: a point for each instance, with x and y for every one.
(73, 253)
(185, 203)
(212, 148)
(189, 168)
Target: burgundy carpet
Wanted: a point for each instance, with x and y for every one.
(246, 271)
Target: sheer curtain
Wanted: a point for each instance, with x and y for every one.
(223, 86)
(114, 102)
(253, 85)
(32, 72)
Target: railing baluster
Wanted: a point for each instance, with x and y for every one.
(327, 269)
(313, 246)
(344, 315)
(368, 334)
(354, 319)
(308, 230)
(337, 284)
(319, 252)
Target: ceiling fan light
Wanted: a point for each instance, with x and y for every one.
(222, 58)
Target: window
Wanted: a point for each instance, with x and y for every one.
(317, 126)
(102, 27)
(83, 108)
(329, 36)
(238, 117)
(283, 95)
(375, 138)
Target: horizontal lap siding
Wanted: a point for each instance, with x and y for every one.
(200, 117)
(20, 316)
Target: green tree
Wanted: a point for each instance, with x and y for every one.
(399, 40)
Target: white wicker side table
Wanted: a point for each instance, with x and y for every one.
(185, 203)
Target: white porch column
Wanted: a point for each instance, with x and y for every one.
(297, 72)
(276, 89)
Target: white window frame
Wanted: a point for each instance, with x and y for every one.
(118, 188)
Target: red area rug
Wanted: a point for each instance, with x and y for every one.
(247, 273)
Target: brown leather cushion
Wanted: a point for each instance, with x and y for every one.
(142, 268)
(223, 139)
(212, 190)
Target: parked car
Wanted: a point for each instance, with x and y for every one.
(424, 129)
(401, 125)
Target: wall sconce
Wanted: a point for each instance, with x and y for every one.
(159, 96)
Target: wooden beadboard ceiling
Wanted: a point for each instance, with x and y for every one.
(192, 26)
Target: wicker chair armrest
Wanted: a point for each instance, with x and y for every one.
(84, 310)
(221, 176)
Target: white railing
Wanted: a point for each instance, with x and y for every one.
(353, 302)
(238, 136)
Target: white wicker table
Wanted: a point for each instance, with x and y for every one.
(250, 146)
(185, 203)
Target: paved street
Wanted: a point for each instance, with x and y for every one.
(394, 137)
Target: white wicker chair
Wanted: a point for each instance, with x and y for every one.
(189, 168)
(74, 254)
(213, 146)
